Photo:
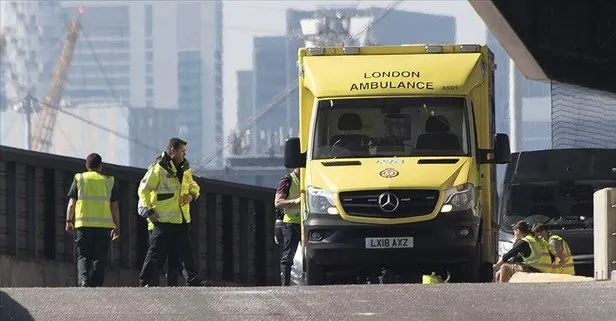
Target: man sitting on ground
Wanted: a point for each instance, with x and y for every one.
(535, 254)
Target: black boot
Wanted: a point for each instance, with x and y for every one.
(285, 275)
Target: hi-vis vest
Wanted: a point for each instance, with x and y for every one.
(162, 181)
(568, 267)
(539, 257)
(93, 196)
(292, 213)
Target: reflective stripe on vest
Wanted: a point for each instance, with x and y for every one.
(539, 257)
(292, 213)
(164, 187)
(568, 267)
(161, 215)
(93, 195)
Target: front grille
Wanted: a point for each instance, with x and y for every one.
(411, 203)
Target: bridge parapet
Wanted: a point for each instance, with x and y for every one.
(232, 224)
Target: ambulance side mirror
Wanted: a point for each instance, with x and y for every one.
(502, 149)
(293, 157)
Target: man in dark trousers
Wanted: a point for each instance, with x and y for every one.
(92, 213)
(288, 199)
(171, 180)
(174, 266)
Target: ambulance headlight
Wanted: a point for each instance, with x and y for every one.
(320, 201)
(459, 198)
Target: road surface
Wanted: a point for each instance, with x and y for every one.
(588, 301)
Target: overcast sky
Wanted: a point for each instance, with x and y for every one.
(243, 20)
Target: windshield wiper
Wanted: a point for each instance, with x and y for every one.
(565, 221)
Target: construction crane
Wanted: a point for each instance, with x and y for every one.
(46, 119)
(283, 95)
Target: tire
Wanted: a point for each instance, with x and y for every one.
(486, 273)
(314, 273)
(470, 270)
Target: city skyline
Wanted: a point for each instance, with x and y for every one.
(131, 54)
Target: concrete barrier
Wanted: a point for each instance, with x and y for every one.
(524, 277)
(604, 216)
(26, 272)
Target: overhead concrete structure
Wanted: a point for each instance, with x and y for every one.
(572, 46)
(570, 42)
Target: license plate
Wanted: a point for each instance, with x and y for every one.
(389, 242)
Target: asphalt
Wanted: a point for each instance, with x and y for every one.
(588, 301)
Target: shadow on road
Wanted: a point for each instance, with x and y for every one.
(12, 310)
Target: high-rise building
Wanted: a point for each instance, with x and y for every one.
(31, 34)
(533, 98)
(532, 114)
(190, 99)
(199, 29)
(150, 127)
(405, 27)
(128, 51)
(245, 98)
(245, 108)
(101, 68)
(269, 80)
(501, 83)
(140, 54)
(536, 123)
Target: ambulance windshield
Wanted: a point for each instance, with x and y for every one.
(388, 127)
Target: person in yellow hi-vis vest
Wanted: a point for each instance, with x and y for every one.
(172, 181)
(288, 199)
(534, 252)
(560, 249)
(93, 215)
(173, 262)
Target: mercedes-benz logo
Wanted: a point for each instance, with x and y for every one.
(388, 202)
